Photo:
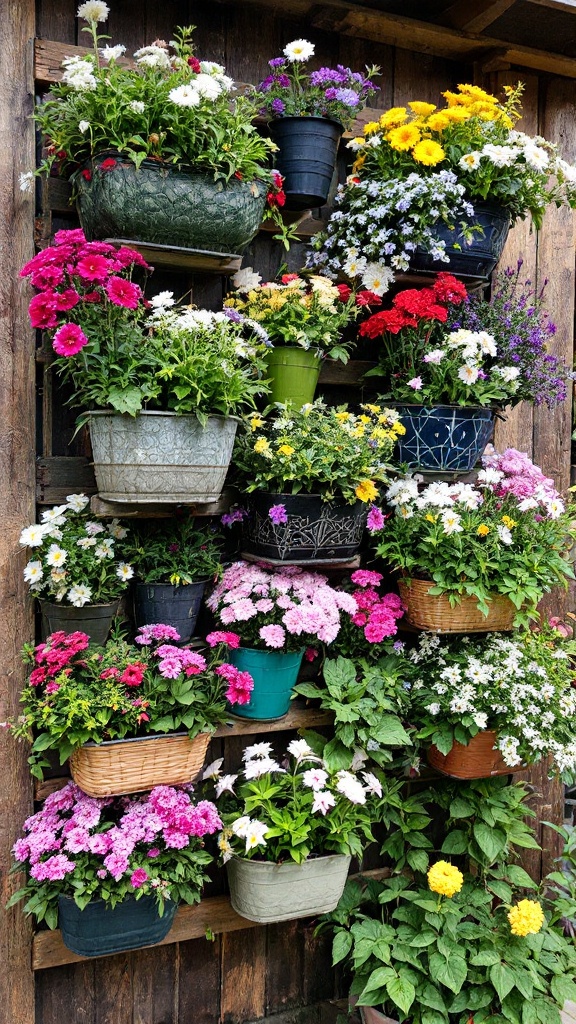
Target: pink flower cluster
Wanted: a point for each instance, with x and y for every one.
(174, 660)
(376, 615)
(146, 635)
(240, 684)
(77, 835)
(57, 655)
(513, 473)
(74, 272)
(274, 607)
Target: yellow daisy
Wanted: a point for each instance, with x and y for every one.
(393, 117)
(404, 137)
(422, 109)
(366, 491)
(428, 153)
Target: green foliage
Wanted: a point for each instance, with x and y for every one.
(177, 551)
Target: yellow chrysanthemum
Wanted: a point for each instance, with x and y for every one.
(457, 114)
(256, 422)
(430, 518)
(477, 93)
(439, 121)
(398, 428)
(343, 416)
(359, 431)
(422, 109)
(366, 491)
(445, 879)
(261, 446)
(453, 99)
(286, 449)
(483, 530)
(364, 418)
(371, 408)
(371, 127)
(526, 918)
(358, 141)
(510, 523)
(404, 137)
(393, 117)
(428, 152)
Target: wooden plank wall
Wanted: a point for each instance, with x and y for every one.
(242, 976)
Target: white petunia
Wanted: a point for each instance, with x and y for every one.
(505, 535)
(79, 595)
(162, 301)
(255, 835)
(301, 750)
(435, 356)
(225, 784)
(299, 50)
(33, 536)
(315, 778)
(507, 373)
(261, 766)
(213, 769)
(323, 801)
(124, 571)
(373, 784)
(112, 52)
(246, 279)
(240, 826)
(93, 10)
(350, 787)
(77, 502)
(184, 96)
(33, 572)
(56, 556)
(257, 750)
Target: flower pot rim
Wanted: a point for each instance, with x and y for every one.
(141, 739)
(307, 494)
(268, 650)
(314, 859)
(305, 117)
(151, 162)
(439, 405)
(175, 586)
(61, 604)
(160, 412)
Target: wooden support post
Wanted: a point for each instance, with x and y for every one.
(17, 374)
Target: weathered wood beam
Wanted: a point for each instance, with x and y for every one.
(475, 15)
(17, 440)
(565, 6)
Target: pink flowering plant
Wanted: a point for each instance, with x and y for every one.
(509, 533)
(284, 610)
(76, 559)
(114, 848)
(295, 808)
(366, 632)
(80, 693)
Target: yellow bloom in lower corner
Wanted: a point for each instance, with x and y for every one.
(483, 530)
(510, 523)
(526, 918)
(366, 491)
(286, 449)
(430, 518)
(445, 879)
(428, 152)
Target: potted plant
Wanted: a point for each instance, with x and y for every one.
(446, 941)
(308, 111)
(157, 389)
(76, 569)
(174, 559)
(129, 717)
(491, 705)
(475, 557)
(290, 830)
(440, 185)
(158, 149)
(277, 614)
(304, 318)
(312, 475)
(111, 873)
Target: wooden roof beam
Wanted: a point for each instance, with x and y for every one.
(475, 15)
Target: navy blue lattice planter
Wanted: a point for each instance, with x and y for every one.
(445, 437)
(470, 260)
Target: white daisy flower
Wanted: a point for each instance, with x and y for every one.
(299, 50)
(112, 53)
(246, 279)
(124, 571)
(301, 750)
(33, 572)
(56, 556)
(351, 787)
(33, 536)
(79, 595)
(137, 106)
(323, 801)
(255, 835)
(162, 301)
(77, 502)
(184, 96)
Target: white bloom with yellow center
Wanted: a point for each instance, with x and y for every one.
(79, 595)
(451, 522)
(76, 502)
(241, 825)
(377, 278)
(124, 571)
(299, 50)
(33, 572)
(33, 536)
(469, 162)
(56, 556)
(184, 96)
(255, 834)
(468, 374)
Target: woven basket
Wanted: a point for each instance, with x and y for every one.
(117, 767)
(430, 611)
(478, 760)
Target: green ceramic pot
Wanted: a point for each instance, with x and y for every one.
(293, 373)
(161, 204)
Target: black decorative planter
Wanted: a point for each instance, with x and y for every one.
(445, 437)
(161, 204)
(477, 259)
(98, 929)
(315, 530)
(175, 606)
(306, 158)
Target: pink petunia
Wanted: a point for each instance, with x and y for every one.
(366, 578)
(123, 293)
(221, 636)
(138, 878)
(375, 520)
(69, 340)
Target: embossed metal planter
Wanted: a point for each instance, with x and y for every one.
(266, 892)
(314, 530)
(99, 929)
(444, 437)
(477, 259)
(160, 456)
(159, 203)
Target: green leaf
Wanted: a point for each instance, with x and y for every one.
(418, 860)
(490, 840)
(377, 981)
(395, 733)
(429, 995)
(461, 808)
(529, 1015)
(501, 889)
(455, 842)
(341, 946)
(401, 992)
(503, 979)
(423, 939)
(547, 1012)
(127, 400)
(485, 958)
(518, 876)
(453, 973)
(433, 1017)
(563, 988)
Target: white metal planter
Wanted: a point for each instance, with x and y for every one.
(267, 892)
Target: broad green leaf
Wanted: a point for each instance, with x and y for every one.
(461, 808)
(401, 992)
(485, 958)
(453, 973)
(503, 979)
(423, 939)
(429, 995)
(455, 842)
(501, 889)
(341, 946)
(563, 988)
(490, 840)
(518, 876)
(377, 980)
(418, 860)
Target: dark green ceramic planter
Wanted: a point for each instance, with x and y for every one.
(160, 204)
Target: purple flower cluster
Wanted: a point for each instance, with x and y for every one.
(336, 93)
(76, 836)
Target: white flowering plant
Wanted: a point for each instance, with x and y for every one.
(76, 559)
(293, 808)
(520, 687)
(166, 105)
(509, 533)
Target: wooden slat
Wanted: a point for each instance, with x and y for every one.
(100, 507)
(352, 374)
(475, 15)
(58, 476)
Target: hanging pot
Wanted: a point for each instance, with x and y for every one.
(99, 929)
(478, 760)
(306, 158)
(161, 456)
(163, 204)
(315, 530)
(93, 619)
(433, 611)
(265, 892)
(444, 437)
(118, 767)
(293, 373)
(274, 674)
(476, 259)
(176, 606)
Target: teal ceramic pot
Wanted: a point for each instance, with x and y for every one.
(274, 674)
(99, 929)
(164, 205)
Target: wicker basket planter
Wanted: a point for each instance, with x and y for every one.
(479, 760)
(433, 611)
(118, 767)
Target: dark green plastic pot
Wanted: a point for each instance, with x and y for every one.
(98, 929)
(93, 619)
(175, 606)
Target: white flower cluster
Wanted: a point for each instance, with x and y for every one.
(210, 83)
(79, 73)
(405, 497)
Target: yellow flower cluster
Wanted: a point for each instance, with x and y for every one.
(526, 918)
(445, 879)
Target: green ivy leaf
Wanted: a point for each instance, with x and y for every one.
(341, 946)
(453, 973)
(503, 979)
(401, 992)
(490, 840)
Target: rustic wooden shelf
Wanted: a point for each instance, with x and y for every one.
(211, 916)
(131, 510)
(172, 257)
(309, 563)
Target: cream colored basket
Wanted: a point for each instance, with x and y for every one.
(433, 611)
(117, 767)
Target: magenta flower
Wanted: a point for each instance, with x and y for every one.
(220, 636)
(278, 514)
(54, 869)
(366, 578)
(138, 878)
(93, 268)
(123, 293)
(42, 311)
(67, 299)
(375, 520)
(69, 340)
